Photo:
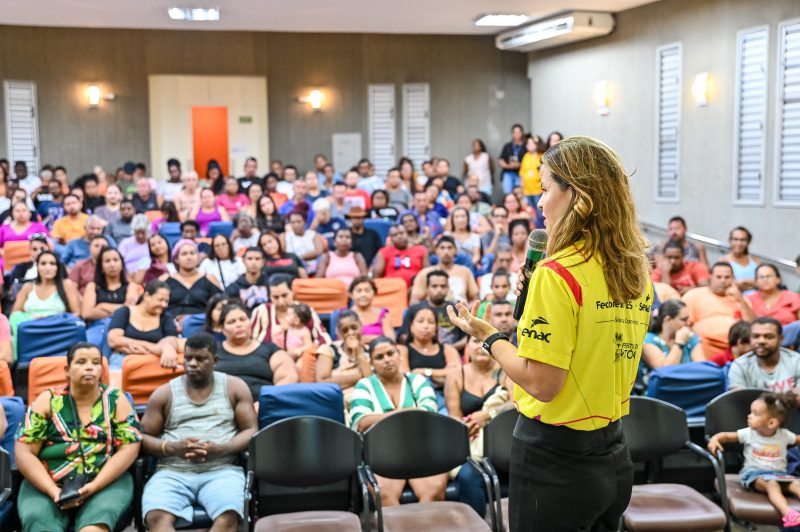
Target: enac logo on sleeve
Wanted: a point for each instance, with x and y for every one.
(531, 332)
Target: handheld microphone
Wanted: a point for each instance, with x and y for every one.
(537, 242)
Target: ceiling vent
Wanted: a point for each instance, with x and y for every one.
(556, 31)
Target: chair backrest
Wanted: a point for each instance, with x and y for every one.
(305, 451)
(47, 372)
(193, 323)
(50, 336)
(416, 444)
(497, 436)
(170, 228)
(220, 228)
(654, 429)
(153, 215)
(320, 399)
(323, 295)
(392, 294)
(6, 383)
(690, 386)
(14, 408)
(379, 226)
(5, 474)
(728, 412)
(15, 252)
(142, 374)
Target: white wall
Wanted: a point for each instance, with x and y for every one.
(562, 81)
(171, 102)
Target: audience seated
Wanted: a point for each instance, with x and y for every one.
(48, 459)
(346, 360)
(342, 262)
(135, 248)
(21, 227)
(277, 260)
(120, 227)
(303, 242)
(669, 340)
(196, 425)
(26, 271)
(676, 230)
(145, 199)
(387, 390)
(460, 278)
(222, 262)
(424, 353)
(231, 199)
(416, 236)
(245, 234)
(771, 298)
(49, 294)
(78, 249)
(675, 271)
(400, 259)
(744, 265)
(436, 299)
(156, 264)
(269, 321)
(257, 364)
(738, 343)
(466, 239)
(267, 216)
(714, 308)
(73, 224)
(108, 292)
(475, 395)
(365, 240)
(144, 328)
(189, 288)
(187, 199)
(503, 320)
(251, 286)
(208, 211)
(768, 366)
(518, 235)
(375, 321)
(82, 273)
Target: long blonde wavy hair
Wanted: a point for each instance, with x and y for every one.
(602, 213)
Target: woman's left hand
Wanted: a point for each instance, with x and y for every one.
(475, 422)
(169, 358)
(469, 322)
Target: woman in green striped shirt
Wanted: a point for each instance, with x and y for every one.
(387, 391)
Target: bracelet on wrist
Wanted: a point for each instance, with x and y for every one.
(164, 447)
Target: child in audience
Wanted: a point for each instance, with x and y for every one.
(765, 442)
(298, 334)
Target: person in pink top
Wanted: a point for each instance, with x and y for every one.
(375, 320)
(21, 226)
(230, 199)
(342, 263)
(208, 211)
(771, 299)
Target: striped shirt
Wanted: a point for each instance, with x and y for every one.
(370, 397)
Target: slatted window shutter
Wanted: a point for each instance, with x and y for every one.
(22, 131)
(668, 64)
(752, 73)
(382, 127)
(787, 186)
(416, 122)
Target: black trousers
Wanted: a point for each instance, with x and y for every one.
(568, 480)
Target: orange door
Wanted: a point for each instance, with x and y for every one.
(210, 138)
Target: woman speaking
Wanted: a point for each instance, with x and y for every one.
(580, 341)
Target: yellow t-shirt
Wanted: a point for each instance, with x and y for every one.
(529, 174)
(570, 322)
(70, 229)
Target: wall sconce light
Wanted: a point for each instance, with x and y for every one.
(600, 96)
(314, 99)
(701, 88)
(94, 95)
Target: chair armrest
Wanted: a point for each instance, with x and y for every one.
(718, 463)
(498, 496)
(377, 495)
(5, 495)
(366, 520)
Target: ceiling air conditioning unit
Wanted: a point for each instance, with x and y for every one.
(556, 31)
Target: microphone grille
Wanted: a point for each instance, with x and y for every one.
(537, 240)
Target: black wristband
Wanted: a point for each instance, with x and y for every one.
(487, 344)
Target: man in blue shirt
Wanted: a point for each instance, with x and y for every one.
(324, 224)
(78, 249)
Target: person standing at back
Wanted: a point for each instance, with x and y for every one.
(511, 157)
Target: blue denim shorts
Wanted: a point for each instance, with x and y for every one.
(175, 492)
(748, 478)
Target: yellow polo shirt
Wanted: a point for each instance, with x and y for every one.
(70, 229)
(570, 322)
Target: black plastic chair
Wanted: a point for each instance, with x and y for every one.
(653, 430)
(728, 413)
(306, 473)
(5, 476)
(497, 436)
(415, 444)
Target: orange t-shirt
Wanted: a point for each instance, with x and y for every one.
(711, 317)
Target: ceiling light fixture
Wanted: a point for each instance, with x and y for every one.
(501, 20)
(195, 14)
